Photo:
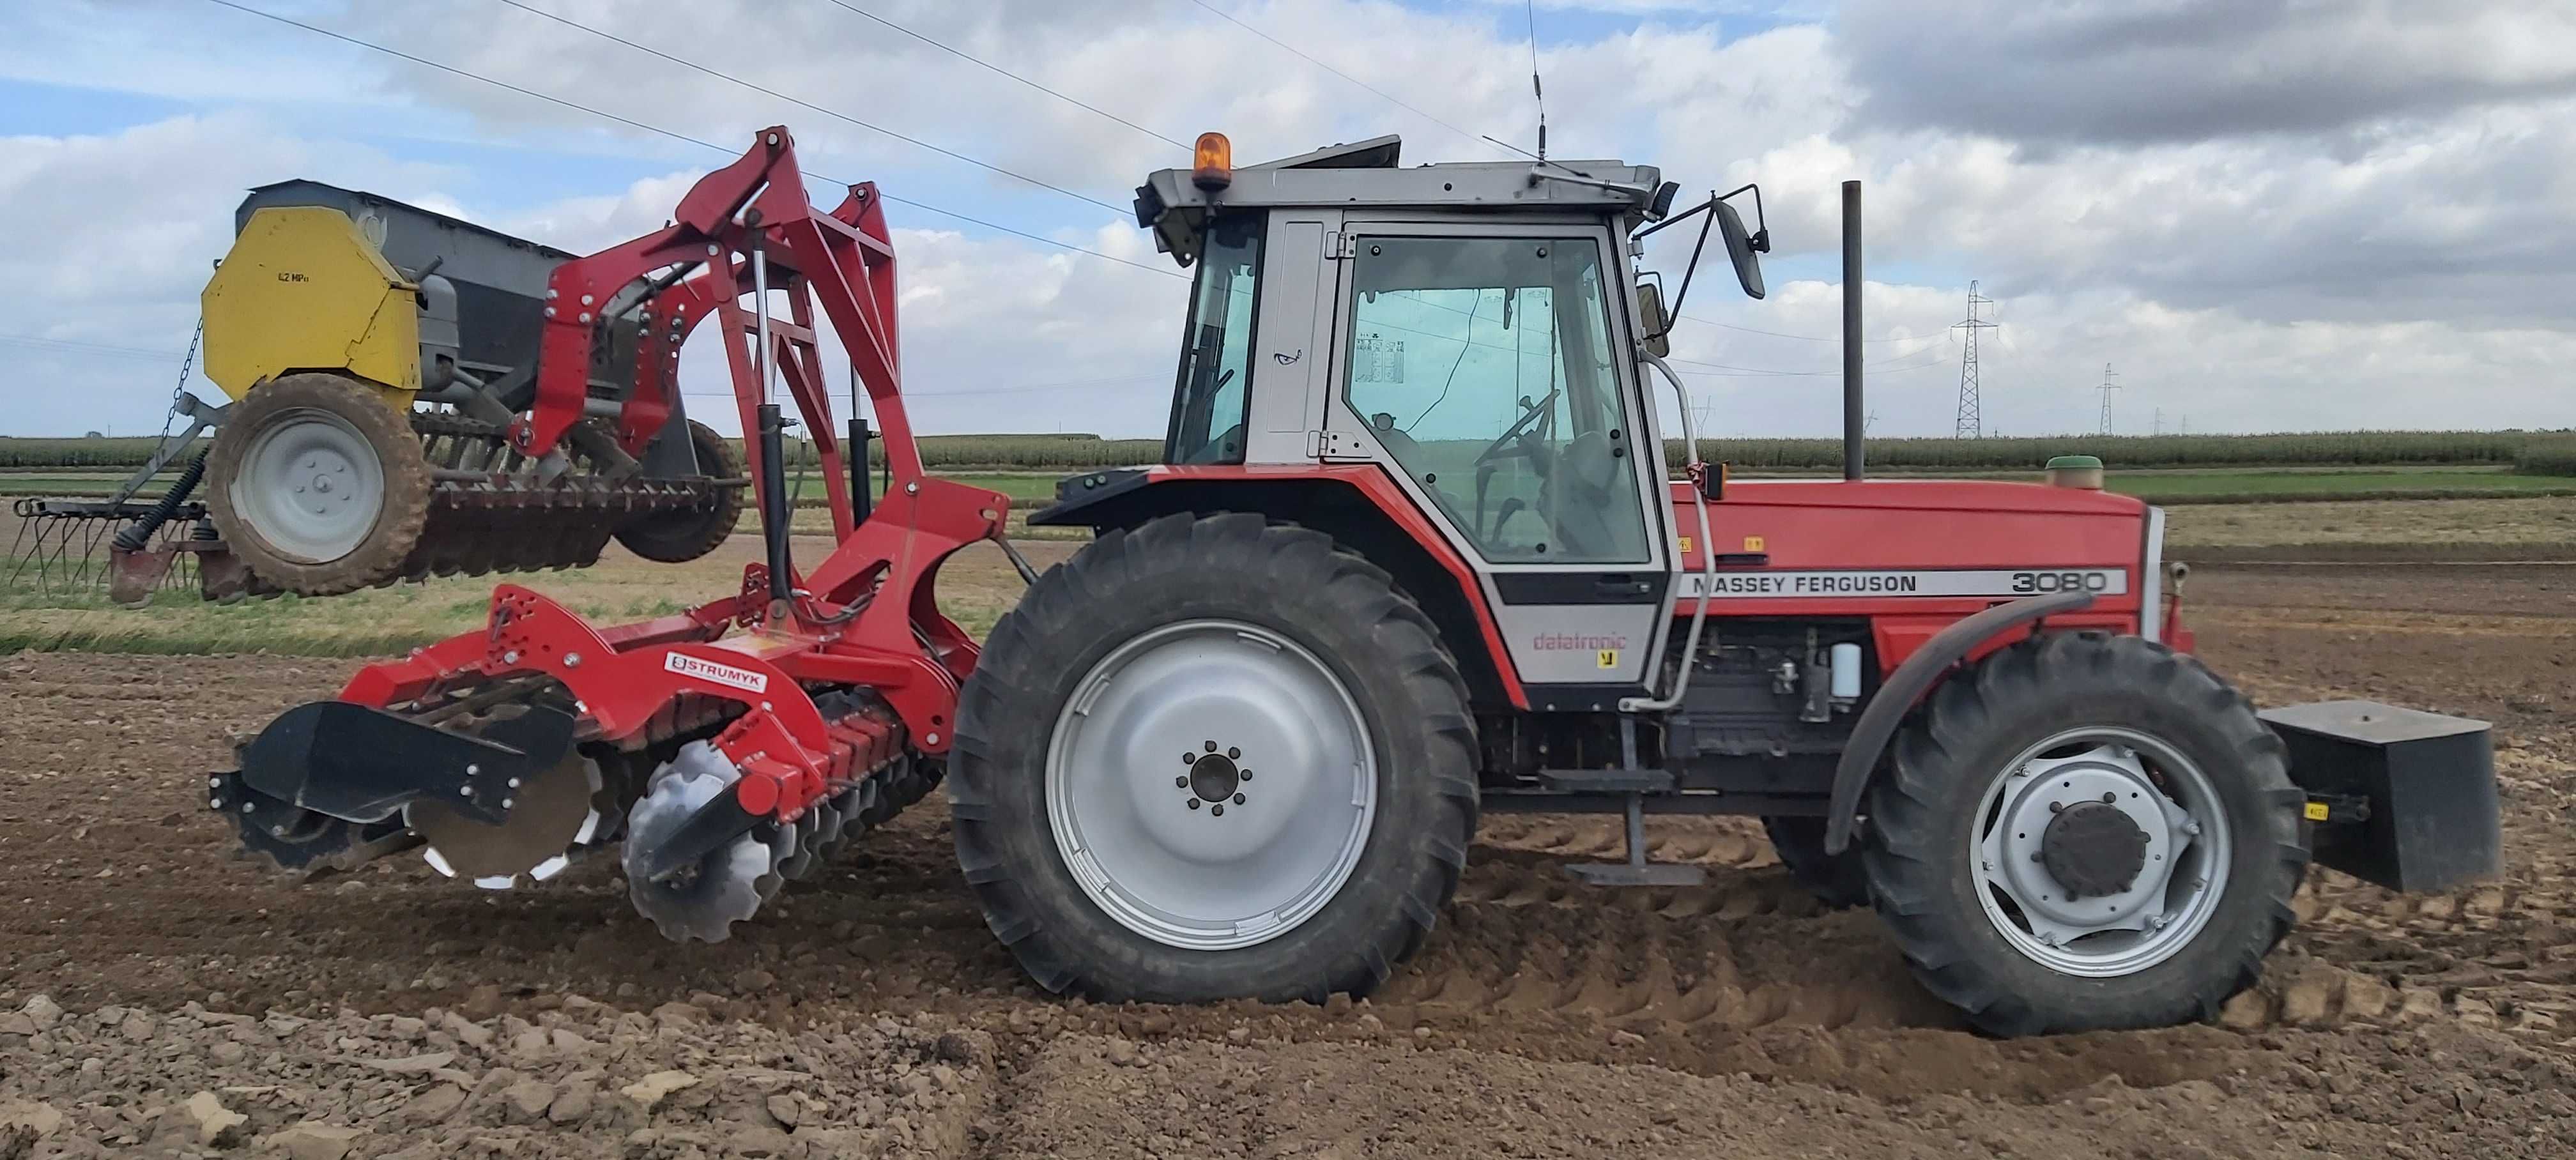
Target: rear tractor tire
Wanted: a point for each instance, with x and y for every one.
(2085, 832)
(684, 534)
(1213, 758)
(318, 484)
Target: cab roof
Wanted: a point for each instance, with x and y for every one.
(1365, 174)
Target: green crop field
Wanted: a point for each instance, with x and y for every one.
(2183, 487)
(1078, 451)
(1032, 489)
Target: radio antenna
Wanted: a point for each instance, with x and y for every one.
(1530, 9)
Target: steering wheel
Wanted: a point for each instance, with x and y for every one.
(1517, 441)
(1519, 435)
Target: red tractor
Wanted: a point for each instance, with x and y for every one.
(1411, 556)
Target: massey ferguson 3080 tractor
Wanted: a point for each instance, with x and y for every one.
(1412, 556)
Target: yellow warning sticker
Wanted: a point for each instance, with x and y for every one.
(1752, 543)
(2316, 811)
(1609, 658)
(1686, 543)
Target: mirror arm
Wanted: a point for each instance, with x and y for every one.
(1692, 270)
(1707, 208)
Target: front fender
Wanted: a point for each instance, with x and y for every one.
(1897, 696)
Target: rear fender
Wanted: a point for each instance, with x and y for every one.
(1902, 689)
(1356, 504)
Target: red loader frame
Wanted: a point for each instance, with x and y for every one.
(866, 615)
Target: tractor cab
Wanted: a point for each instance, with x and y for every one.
(1469, 328)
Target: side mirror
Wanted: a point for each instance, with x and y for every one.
(1739, 248)
(1654, 328)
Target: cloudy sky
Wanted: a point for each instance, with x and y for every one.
(2265, 214)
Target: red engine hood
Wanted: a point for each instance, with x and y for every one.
(1957, 495)
(1917, 523)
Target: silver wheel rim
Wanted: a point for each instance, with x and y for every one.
(310, 486)
(1211, 784)
(2183, 861)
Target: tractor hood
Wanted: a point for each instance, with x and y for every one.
(1924, 495)
(1931, 523)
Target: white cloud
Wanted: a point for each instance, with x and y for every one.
(2294, 247)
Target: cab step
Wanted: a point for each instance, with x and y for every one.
(1631, 781)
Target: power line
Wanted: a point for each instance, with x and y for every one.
(72, 346)
(1799, 337)
(2107, 387)
(1755, 373)
(856, 11)
(801, 103)
(675, 136)
(1302, 55)
(1889, 362)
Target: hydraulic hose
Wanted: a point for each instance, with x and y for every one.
(139, 536)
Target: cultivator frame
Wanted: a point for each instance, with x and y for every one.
(829, 692)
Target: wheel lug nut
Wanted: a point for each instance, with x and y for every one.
(2056, 807)
(1233, 752)
(1211, 746)
(1194, 803)
(2109, 797)
(1189, 759)
(1244, 774)
(1238, 799)
(1217, 810)
(1182, 782)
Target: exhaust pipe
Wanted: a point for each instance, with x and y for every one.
(1855, 421)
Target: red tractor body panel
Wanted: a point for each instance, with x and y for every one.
(1788, 544)
(1911, 557)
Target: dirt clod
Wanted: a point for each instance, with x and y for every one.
(314, 1141)
(217, 1125)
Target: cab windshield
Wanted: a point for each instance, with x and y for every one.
(1216, 349)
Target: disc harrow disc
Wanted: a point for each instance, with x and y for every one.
(550, 817)
(704, 901)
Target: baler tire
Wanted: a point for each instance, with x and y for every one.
(380, 557)
(1927, 885)
(681, 535)
(1839, 881)
(1278, 579)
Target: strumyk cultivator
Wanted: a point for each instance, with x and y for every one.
(725, 764)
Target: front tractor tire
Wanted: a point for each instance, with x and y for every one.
(318, 484)
(1172, 673)
(2085, 832)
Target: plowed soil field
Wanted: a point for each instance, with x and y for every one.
(159, 996)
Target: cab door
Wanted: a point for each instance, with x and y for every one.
(1485, 365)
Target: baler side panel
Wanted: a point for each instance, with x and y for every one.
(303, 290)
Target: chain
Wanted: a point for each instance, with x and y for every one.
(180, 389)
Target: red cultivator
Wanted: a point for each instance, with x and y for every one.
(729, 762)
